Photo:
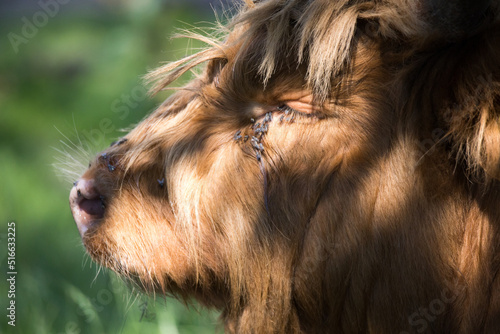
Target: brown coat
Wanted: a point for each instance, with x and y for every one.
(334, 169)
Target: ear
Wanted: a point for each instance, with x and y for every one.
(466, 90)
(454, 18)
(474, 123)
(490, 148)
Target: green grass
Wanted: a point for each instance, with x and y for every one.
(66, 84)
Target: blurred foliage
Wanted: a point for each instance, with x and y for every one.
(73, 82)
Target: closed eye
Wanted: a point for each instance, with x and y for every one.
(299, 109)
(300, 102)
(286, 109)
(302, 107)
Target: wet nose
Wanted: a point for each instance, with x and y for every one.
(87, 204)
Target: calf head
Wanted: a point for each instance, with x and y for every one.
(287, 184)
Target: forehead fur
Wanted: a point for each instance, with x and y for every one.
(270, 36)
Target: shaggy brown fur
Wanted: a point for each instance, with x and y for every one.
(335, 169)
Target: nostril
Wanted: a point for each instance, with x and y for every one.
(86, 189)
(87, 204)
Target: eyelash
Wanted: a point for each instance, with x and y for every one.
(287, 110)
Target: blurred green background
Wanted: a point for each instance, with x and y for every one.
(70, 72)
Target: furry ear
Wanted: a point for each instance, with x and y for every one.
(465, 94)
(475, 126)
(454, 18)
(490, 150)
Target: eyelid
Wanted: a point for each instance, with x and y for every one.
(301, 101)
(302, 107)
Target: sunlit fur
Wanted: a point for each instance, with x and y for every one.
(360, 217)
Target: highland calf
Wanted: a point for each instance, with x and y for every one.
(335, 169)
